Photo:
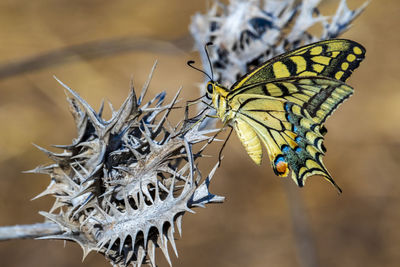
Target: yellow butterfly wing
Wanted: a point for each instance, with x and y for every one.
(307, 76)
(290, 134)
(320, 96)
(283, 103)
(335, 58)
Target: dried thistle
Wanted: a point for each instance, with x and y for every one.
(248, 33)
(123, 185)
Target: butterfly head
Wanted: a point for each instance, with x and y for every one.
(217, 93)
(210, 89)
(213, 88)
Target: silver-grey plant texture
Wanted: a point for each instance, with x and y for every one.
(123, 185)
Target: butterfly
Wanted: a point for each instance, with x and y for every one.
(283, 103)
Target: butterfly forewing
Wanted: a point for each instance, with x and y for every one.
(336, 58)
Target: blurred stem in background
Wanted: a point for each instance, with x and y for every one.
(306, 249)
(94, 50)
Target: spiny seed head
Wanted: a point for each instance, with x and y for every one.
(123, 185)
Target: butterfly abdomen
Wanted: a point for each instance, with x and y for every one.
(249, 139)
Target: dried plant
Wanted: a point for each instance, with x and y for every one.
(248, 33)
(123, 185)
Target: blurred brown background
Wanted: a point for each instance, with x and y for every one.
(109, 41)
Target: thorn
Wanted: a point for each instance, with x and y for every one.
(110, 105)
(128, 257)
(164, 247)
(147, 83)
(121, 243)
(43, 169)
(146, 192)
(101, 109)
(190, 159)
(171, 188)
(148, 135)
(111, 243)
(171, 239)
(157, 193)
(48, 190)
(151, 250)
(128, 208)
(140, 255)
(189, 210)
(95, 119)
(179, 224)
(161, 122)
(56, 157)
(141, 203)
(101, 244)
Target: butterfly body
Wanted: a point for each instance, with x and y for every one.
(283, 104)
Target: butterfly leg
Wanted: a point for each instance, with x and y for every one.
(210, 140)
(195, 101)
(195, 119)
(190, 103)
(223, 146)
(212, 116)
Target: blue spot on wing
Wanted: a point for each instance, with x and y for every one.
(279, 159)
(285, 149)
(287, 107)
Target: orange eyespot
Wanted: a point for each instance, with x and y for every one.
(282, 168)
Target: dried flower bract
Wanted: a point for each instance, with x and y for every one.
(248, 33)
(123, 185)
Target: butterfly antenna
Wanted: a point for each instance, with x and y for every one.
(209, 60)
(190, 64)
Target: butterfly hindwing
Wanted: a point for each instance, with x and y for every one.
(290, 135)
(336, 58)
(306, 159)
